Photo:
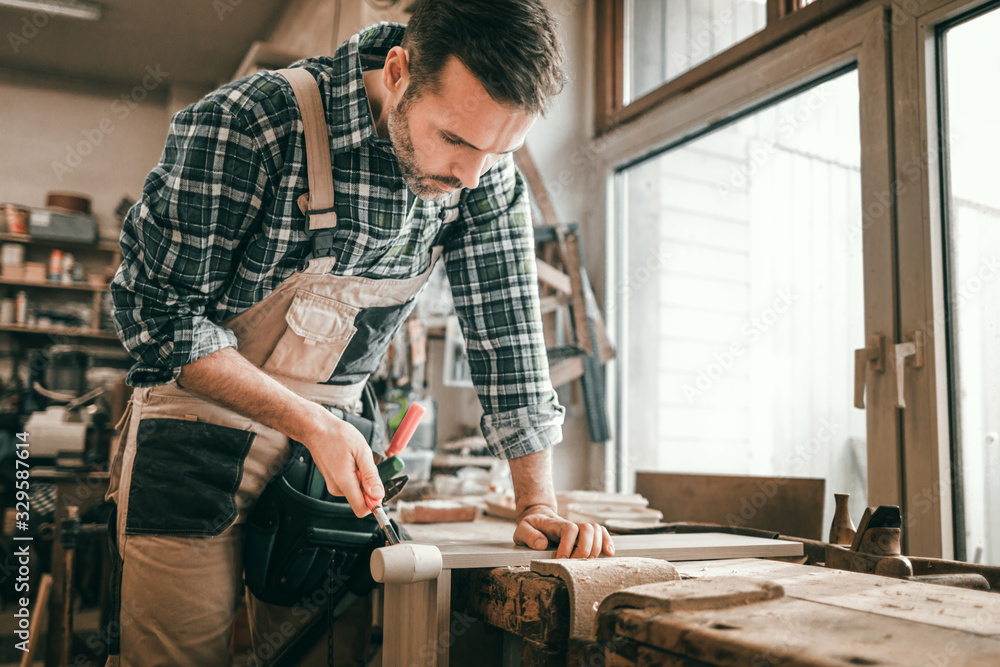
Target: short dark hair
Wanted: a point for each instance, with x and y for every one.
(511, 46)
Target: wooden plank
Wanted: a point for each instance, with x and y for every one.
(569, 249)
(534, 177)
(800, 632)
(552, 303)
(672, 547)
(553, 277)
(566, 371)
(961, 609)
(787, 505)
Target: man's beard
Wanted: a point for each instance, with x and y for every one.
(402, 144)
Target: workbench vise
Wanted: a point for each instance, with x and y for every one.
(877, 546)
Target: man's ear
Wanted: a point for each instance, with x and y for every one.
(396, 72)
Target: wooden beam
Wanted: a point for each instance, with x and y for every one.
(538, 190)
(553, 277)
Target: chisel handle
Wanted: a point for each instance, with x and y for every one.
(402, 436)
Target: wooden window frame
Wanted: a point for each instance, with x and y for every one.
(909, 450)
(784, 22)
(932, 477)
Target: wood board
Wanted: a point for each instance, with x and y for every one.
(670, 546)
(786, 505)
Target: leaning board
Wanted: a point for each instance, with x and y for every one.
(419, 614)
(670, 546)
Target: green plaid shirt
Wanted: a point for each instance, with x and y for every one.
(218, 229)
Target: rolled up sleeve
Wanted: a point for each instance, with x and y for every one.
(180, 241)
(493, 276)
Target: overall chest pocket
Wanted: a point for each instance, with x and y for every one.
(318, 330)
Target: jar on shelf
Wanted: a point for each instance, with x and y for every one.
(21, 307)
(55, 265)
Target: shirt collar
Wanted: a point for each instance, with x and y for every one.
(348, 117)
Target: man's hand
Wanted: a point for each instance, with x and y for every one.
(339, 449)
(539, 524)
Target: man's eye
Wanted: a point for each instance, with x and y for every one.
(452, 140)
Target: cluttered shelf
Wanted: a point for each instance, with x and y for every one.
(105, 245)
(74, 332)
(51, 284)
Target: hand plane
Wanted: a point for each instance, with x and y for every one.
(877, 546)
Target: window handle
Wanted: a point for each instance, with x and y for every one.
(908, 353)
(873, 355)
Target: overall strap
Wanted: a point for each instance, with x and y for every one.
(317, 203)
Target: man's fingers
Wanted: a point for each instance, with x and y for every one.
(609, 547)
(595, 548)
(351, 489)
(368, 474)
(531, 537)
(567, 539)
(584, 541)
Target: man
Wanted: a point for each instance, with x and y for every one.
(255, 291)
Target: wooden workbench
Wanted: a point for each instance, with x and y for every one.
(471, 583)
(826, 617)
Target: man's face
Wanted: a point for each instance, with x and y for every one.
(446, 140)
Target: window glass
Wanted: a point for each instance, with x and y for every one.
(741, 298)
(666, 38)
(973, 239)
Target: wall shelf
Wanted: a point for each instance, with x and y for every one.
(73, 332)
(104, 245)
(80, 286)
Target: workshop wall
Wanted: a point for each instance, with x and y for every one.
(95, 138)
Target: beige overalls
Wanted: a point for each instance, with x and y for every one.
(189, 470)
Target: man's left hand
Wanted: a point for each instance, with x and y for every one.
(539, 523)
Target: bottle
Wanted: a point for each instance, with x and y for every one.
(841, 528)
(21, 308)
(7, 309)
(55, 265)
(68, 263)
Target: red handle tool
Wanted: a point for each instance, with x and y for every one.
(400, 439)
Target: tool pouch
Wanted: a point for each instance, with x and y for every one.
(300, 539)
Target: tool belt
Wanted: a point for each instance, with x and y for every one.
(300, 539)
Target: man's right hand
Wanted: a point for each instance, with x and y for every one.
(338, 449)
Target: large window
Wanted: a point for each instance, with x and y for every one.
(649, 51)
(973, 241)
(743, 299)
(669, 37)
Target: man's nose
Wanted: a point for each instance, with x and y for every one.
(470, 169)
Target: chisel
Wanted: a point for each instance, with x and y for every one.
(399, 441)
